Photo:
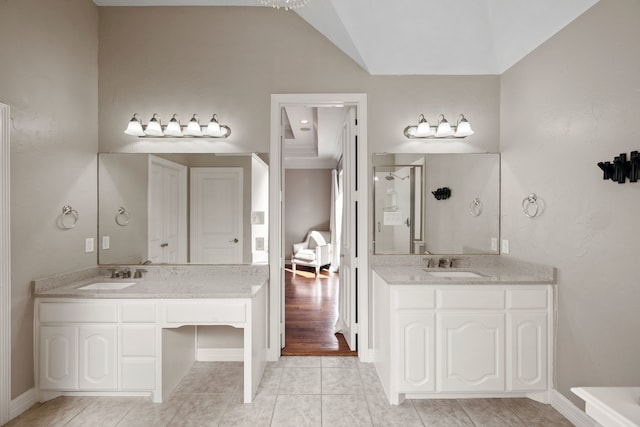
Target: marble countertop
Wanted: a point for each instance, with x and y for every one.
(160, 282)
(491, 270)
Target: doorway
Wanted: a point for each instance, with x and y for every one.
(354, 257)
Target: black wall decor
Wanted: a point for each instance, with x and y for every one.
(442, 193)
(621, 168)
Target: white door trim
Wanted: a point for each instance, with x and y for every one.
(5, 266)
(276, 258)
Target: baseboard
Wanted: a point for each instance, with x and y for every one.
(571, 411)
(220, 355)
(21, 403)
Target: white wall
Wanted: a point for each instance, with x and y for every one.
(48, 77)
(572, 103)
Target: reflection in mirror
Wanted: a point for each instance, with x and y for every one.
(436, 203)
(182, 208)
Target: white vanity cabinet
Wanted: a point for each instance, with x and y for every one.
(78, 346)
(457, 340)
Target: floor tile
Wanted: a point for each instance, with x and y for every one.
(385, 414)
(255, 414)
(56, 412)
(300, 381)
(302, 362)
(442, 413)
(536, 414)
(297, 411)
(345, 410)
(341, 381)
(339, 362)
(270, 382)
(147, 413)
(200, 410)
(370, 381)
(104, 411)
(490, 413)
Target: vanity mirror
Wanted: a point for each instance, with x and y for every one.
(182, 208)
(436, 203)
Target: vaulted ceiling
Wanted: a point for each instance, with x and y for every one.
(425, 37)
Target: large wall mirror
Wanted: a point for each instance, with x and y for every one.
(183, 208)
(436, 203)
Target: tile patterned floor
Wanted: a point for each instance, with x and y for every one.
(295, 391)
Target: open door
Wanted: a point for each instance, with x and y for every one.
(347, 323)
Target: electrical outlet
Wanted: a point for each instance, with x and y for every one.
(494, 243)
(505, 246)
(106, 242)
(88, 244)
(259, 243)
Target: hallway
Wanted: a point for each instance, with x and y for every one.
(311, 311)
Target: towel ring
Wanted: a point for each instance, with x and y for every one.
(475, 207)
(530, 205)
(122, 217)
(68, 212)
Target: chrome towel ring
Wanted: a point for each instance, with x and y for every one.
(530, 206)
(122, 217)
(68, 218)
(475, 207)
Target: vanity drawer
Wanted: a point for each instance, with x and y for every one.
(139, 312)
(527, 299)
(476, 299)
(203, 312)
(414, 297)
(74, 312)
(138, 340)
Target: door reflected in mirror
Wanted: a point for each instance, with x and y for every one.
(182, 208)
(436, 203)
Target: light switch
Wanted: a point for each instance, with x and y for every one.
(106, 242)
(88, 244)
(505, 246)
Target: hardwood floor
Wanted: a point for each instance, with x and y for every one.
(311, 310)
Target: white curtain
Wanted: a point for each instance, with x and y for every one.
(336, 220)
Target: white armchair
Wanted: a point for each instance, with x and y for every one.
(315, 251)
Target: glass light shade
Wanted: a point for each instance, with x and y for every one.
(213, 128)
(444, 129)
(154, 128)
(134, 127)
(463, 129)
(193, 127)
(173, 127)
(424, 128)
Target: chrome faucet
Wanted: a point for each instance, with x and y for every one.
(445, 263)
(125, 273)
(138, 273)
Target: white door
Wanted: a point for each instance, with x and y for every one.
(97, 353)
(58, 357)
(167, 231)
(216, 215)
(349, 249)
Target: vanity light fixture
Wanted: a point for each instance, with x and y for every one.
(423, 129)
(175, 129)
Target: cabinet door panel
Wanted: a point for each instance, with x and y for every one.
(472, 351)
(528, 351)
(138, 374)
(416, 352)
(58, 357)
(97, 354)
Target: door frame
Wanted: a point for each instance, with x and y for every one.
(276, 197)
(5, 266)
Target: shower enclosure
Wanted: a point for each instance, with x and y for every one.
(398, 206)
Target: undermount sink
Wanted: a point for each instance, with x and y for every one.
(102, 286)
(454, 274)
